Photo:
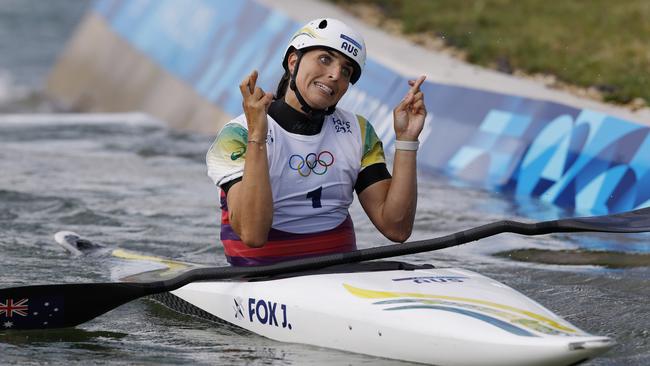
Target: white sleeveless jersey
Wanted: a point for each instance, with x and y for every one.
(312, 177)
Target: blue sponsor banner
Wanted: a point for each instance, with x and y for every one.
(575, 158)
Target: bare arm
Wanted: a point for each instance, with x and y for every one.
(390, 204)
(250, 202)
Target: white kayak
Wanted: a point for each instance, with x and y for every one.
(438, 316)
(433, 316)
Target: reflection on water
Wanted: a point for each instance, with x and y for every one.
(615, 260)
(68, 335)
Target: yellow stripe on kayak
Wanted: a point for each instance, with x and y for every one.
(373, 294)
(171, 264)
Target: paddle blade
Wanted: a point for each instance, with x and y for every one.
(636, 221)
(65, 305)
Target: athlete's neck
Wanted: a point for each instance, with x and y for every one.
(292, 101)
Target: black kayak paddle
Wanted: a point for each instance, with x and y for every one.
(66, 305)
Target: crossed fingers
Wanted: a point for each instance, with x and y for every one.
(248, 86)
(414, 100)
(253, 94)
(415, 84)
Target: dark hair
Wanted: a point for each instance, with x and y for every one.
(285, 81)
(283, 84)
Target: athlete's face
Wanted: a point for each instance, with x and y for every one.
(323, 78)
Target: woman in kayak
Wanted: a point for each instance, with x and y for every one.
(288, 165)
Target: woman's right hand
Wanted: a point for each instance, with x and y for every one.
(256, 104)
(250, 202)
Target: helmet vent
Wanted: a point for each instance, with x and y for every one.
(322, 24)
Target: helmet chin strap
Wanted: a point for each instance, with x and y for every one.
(317, 114)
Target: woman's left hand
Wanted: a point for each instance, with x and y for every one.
(409, 115)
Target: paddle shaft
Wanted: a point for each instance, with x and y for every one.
(65, 305)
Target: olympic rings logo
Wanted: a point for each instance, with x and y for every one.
(317, 164)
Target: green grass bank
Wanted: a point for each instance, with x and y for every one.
(601, 46)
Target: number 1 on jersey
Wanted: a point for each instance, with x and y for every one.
(315, 197)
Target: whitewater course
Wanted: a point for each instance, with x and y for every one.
(156, 80)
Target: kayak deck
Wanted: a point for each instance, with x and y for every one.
(181, 306)
(420, 315)
(392, 310)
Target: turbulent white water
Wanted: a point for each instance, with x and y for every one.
(128, 181)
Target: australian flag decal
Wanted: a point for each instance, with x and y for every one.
(31, 313)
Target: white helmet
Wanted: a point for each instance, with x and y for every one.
(334, 34)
